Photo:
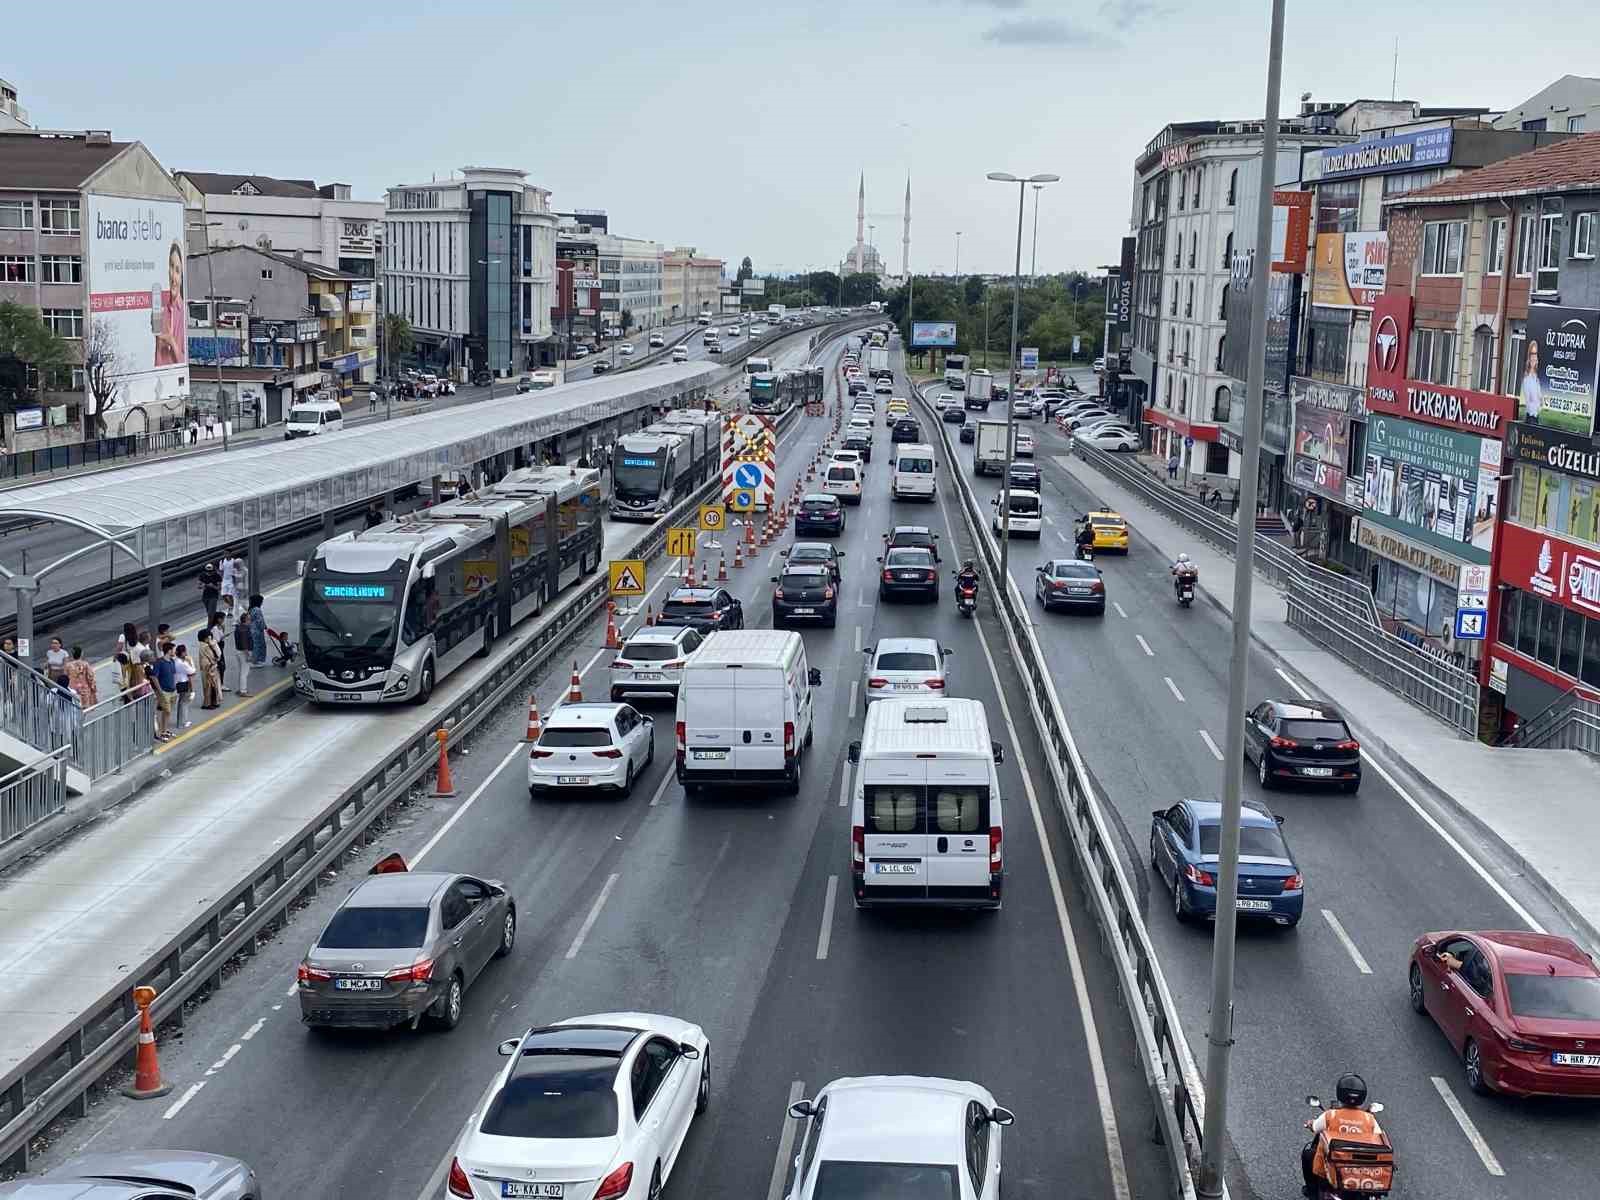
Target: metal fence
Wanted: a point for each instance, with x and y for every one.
(1333, 610)
(33, 792)
(1571, 723)
(100, 452)
(115, 732)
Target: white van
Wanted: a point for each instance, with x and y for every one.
(913, 471)
(843, 479)
(925, 821)
(745, 711)
(1027, 513)
(310, 417)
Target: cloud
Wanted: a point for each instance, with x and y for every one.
(1046, 31)
(1125, 14)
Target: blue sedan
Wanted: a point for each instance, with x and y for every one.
(1183, 851)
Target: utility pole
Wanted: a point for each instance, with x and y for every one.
(958, 254)
(1219, 1035)
(1033, 268)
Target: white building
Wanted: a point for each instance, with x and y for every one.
(323, 225)
(12, 114)
(470, 263)
(690, 284)
(630, 271)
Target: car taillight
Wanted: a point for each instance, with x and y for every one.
(1195, 875)
(418, 972)
(538, 753)
(616, 1184)
(460, 1185)
(930, 575)
(673, 665)
(995, 835)
(617, 663)
(877, 681)
(1283, 743)
(858, 846)
(310, 974)
(777, 593)
(1295, 883)
(933, 683)
(888, 576)
(1513, 1043)
(608, 752)
(1347, 744)
(678, 733)
(788, 738)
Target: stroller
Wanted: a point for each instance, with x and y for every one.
(283, 648)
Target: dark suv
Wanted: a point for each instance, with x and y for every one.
(819, 513)
(912, 535)
(704, 609)
(805, 592)
(1301, 743)
(860, 442)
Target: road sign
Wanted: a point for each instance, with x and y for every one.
(627, 576)
(742, 500)
(1030, 358)
(713, 518)
(681, 541)
(747, 475)
(1471, 624)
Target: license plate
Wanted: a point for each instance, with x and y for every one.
(649, 676)
(348, 697)
(1575, 1060)
(1253, 905)
(911, 575)
(894, 868)
(357, 985)
(572, 779)
(710, 755)
(908, 687)
(1077, 591)
(514, 1187)
(805, 612)
(1317, 772)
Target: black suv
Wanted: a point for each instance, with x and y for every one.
(805, 592)
(860, 442)
(1301, 743)
(1026, 475)
(703, 609)
(819, 513)
(906, 430)
(912, 535)
(816, 554)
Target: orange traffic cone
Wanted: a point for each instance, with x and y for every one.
(649, 616)
(613, 638)
(688, 579)
(442, 784)
(146, 1067)
(722, 570)
(750, 533)
(535, 725)
(738, 555)
(575, 688)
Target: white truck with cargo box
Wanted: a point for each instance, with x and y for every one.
(745, 712)
(925, 819)
(980, 387)
(878, 361)
(989, 448)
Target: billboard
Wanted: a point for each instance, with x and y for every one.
(1321, 435)
(1436, 485)
(754, 287)
(1351, 270)
(1557, 374)
(1379, 156)
(134, 250)
(1291, 230)
(933, 333)
(1030, 358)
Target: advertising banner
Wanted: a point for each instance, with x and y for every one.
(933, 333)
(1321, 436)
(1557, 378)
(1291, 231)
(137, 314)
(1280, 315)
(754, 287)
(1379, 156)
(1030, 358)
(1551, 448)
(1471, 412)
(355, 236)
(1127, 275)
(1552, 567)
(1351, 269)
(1386, 353)
(1433, 484)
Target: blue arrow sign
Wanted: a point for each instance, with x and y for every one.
(1471, 624)
(747, 475)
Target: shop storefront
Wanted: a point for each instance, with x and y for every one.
(1326, 468)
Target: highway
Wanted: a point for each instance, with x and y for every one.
(730, 910)
(1145, 688)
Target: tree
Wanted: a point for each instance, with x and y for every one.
(27, 343)
(973, 290)
(745, 270)
(101, 370)
(627, 319)
(397, 337)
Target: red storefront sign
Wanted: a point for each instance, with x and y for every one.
(1200, 433)
(1387, 348)
(1552, 567)
(1482, 413)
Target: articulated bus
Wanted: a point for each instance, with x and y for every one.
(767, 393)
(650, 473)
(387, 612)
(779, 391)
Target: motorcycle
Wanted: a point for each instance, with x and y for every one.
(966, 598)
(1086, 551)
(1353, 1168)
(1184, 586)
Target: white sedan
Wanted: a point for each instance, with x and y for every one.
(1121, 440)
(912, 666)
(1024, 444)
(593, 1107)
(899, 1135)
(626, 349)
(591, 746)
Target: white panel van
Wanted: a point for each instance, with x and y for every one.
(913, 471)
(745, 710)
(926, 824)
(308, 418)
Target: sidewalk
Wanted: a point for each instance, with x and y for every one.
(1542, 805)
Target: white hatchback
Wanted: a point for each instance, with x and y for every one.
(899, 1135)
(651, 661)
(589, 747)
(625, 349)
(843, 479)
(906, 666)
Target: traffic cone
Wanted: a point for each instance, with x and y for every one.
(535, 725)
(146, 1067)
(613, 638)
(649, 616)
(738, 555)
(442, 784)
(722, 570)
(688, 579)
(575, 688)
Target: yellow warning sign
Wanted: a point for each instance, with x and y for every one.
(681, 541)
(627, 576)
(742, 500)
(713, 517)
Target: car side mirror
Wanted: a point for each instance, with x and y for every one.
(839, 554)
(1313, 1102)
(802, 1110)
(509, 1047)
(1375, 1107)
(1001, 1116)
(774, 579)
(880, 558)
(1278, 818)
(854, 752)
(814, 678)
(688, 1051)
(999, 752)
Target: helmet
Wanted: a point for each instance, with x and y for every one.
(1351, 1090)
(1183, 559)
(968, 565)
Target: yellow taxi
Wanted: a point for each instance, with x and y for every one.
(894, 410)
(1110, 530)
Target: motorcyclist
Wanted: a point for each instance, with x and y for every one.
(967, 579)
(1182, 568)
(1085, 535)
(1349, 1121)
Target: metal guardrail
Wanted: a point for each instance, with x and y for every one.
(1171, 1074)
(28, 464)
(32, 793)
(114, 733)
(1333, 610)
(1572, 722)
(56, 1077)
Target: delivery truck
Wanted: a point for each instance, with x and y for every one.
(989, 449)
(980, 387)
(878, 361)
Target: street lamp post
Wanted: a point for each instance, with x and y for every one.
(958, 254)
(204, 225)
(1033, 267)
(1011, 388)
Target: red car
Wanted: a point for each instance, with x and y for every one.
(1522, 1009)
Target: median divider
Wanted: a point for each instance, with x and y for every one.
(1170, 1070)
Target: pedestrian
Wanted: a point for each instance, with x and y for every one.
(186, 671)
(1172, 466)
(194, 432)
(241, 574)
(242, 653)
(80, 678)
(372, 400)
(1299, 527)
(1233, 503)
(210, 671)
(164, 671)
(63, 711)
(125, 681)
(210, 427)
(55, 658)
(126, 639)
(230, 588)
(210, 589)
(374, 515)
(257, 620)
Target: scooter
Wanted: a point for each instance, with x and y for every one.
(966, 599)
(1086, 551)
(1184, 586)
(1352, 1168)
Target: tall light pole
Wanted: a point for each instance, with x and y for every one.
(204, 225)
(1011, 387)
(958, 254)
(1033, 268)
(1219, 1036)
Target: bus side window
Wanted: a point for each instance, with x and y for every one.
(414, 622)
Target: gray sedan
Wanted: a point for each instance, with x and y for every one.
(405, 945)
(141, 1175)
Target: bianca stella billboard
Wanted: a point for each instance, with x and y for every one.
(137, 315)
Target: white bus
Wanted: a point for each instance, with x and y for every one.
(650, 474)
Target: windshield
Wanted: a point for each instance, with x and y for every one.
(561, 1096)
(908, 558)
(1555, 997)
(650, 652)
(358, 928)
(805, 579)
(636, 476)
(1022, 502)
(841, 474)
(1254, 840)
(305, 416)
(885, 1181)
(915, 466)
(820, 506)
(349, 619)
(1314, 731)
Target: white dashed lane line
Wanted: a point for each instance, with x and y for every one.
(1173, 688)
(1210, 745)
(1491, 1164)
(1120, 611)
(1346, 941)
(1144, 645)
(1299, 691)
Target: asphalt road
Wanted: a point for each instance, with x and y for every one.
(1143, 687)
(713, 909)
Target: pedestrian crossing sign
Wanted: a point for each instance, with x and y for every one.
(627, 576)
(1472, 624)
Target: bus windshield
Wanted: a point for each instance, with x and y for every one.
(636, 476)
(349, 620)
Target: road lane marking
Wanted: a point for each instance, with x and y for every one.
(1048, 519)
(434, 1188)
(1347, 941)
(1173, 688)
(1119, 609)
(825, 935)
(858, 639)
(661, 789)
(594, 915)
(780, 1168)
(177, 1105)
(1144, 645)
(253, 1030)
(465, 805)
(1491, 1164)
(1300, 691)
(227, 1056)
(1210, 745)
(844, 785)
(854, 683)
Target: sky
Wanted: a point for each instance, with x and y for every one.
(741, 128)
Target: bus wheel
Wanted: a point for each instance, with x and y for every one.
(425, 682)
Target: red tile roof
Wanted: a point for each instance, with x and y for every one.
(1570, 165)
